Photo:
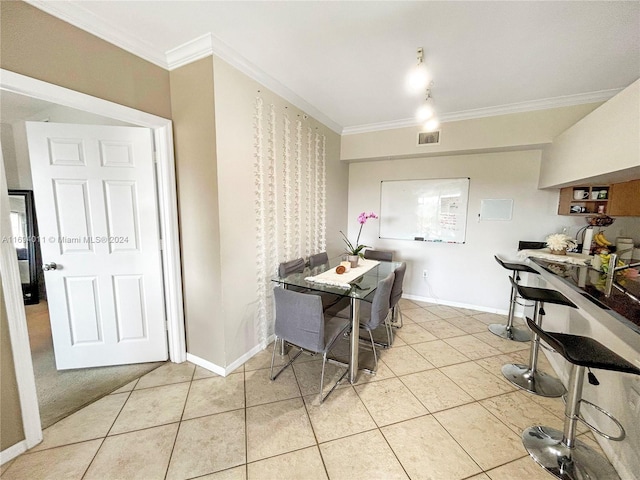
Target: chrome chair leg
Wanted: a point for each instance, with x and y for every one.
(559, 453)
(273, 377)
(387, 324)
(527, 377)
(283, 347)
(375, 355)
(508, 331)
(396, 312)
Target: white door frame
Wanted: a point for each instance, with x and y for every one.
(168, 212)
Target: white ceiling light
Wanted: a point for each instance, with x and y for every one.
(418, 77)
(426, 110)
(431, 125)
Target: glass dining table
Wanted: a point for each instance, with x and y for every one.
(362, 290)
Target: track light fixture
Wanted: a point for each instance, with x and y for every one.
(418, 77)
(426, 111)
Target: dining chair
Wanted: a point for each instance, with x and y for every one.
(292, 266)
(318, 259)
(396, 295)
(301, 322)
(383, 255)
(373, 314)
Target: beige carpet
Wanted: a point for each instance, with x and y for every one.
(60, 393)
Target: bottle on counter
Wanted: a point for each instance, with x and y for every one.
(624, 248)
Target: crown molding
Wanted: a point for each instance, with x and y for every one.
(188, 52)
(208, 44)
(522, 107)
(226, 53)
(80, 17)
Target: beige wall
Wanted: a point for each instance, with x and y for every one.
(38, 45)
(213, 113)
(192, 103)
(464, 274)
(11, 431)
(235, 96)
(503, 132)
(603, 142)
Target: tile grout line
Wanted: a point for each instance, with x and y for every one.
(313, 430)
(175, 439)
(432, 414)
(482, 470)
(307, 408)
(108, 431)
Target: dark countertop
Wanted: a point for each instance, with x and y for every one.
(590, 284)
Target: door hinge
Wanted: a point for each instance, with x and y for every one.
(155, 156)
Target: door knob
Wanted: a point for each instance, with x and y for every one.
(50, 266)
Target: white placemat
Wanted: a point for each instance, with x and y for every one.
(330, 277)
(545, 253)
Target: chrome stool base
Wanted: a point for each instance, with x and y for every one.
(581, 462)
(535, 382)
(510, 333)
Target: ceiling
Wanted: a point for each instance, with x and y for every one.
(345, 62)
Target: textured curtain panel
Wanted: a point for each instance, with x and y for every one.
(290, 197)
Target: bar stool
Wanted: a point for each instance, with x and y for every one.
(559, 452)
(508, 331)
(528, 377)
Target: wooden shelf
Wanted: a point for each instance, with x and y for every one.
(569, 205)
(620, 199)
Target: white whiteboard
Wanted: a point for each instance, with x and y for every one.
(430, 210)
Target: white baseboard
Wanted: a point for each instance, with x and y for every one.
(12, 452)
(460, 305)
(212, 367)
(254, 351)
(224, 371)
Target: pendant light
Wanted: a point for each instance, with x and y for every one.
(418, 77)
(426, 110)
(431, 125)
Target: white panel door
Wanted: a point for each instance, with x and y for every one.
(95, 197)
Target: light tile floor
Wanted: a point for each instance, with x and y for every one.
(438, 408)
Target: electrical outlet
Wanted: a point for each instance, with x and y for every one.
(424, 274)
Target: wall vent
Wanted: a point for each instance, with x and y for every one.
(429, 138)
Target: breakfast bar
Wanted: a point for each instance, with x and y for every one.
(612, 320)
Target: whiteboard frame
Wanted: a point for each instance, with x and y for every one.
(462, 222)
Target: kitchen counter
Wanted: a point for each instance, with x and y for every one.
(590, 284)
(612, 321)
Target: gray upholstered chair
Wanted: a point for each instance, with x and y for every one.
(292, 266)
(396, 295)
(329, 301)
(318, 259)
(383, 255)
(301, 322)
(376, 313)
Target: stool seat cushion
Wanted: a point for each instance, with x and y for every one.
(518, 267)
(543, 295)
(584, 351)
